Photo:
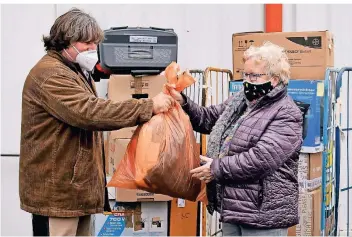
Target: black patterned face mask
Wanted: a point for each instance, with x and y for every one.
(256, 91)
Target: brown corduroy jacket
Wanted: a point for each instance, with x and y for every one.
(61, 157)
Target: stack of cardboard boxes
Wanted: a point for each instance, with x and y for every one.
(309, 54)
(137, 212)
(121, 88)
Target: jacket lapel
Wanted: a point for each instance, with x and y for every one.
(84, 80)
(94, 89)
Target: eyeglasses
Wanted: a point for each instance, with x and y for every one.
(252, 76)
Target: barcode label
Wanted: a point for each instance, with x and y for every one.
(143, 39)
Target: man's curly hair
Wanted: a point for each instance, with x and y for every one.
(73, 26)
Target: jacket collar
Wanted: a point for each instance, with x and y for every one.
(278, 92)
(74, 67)
(57, 55)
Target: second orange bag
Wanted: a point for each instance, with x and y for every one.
(161, 152)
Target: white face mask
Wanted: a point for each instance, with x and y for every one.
(86, 59)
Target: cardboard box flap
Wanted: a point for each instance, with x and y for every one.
(247, 33)
(133, 195)
(272, 33)
(123, 133)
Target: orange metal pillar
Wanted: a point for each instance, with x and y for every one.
(273, 17)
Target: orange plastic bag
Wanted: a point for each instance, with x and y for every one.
(161, 152)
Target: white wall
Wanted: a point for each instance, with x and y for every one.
(22, 27)
(14, 221)
(204, 40)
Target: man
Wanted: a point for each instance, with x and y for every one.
(62, 174)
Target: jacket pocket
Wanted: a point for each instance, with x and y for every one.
(82, 170)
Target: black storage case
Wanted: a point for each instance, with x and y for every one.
(137, 50)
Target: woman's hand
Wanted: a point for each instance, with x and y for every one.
(203, 172)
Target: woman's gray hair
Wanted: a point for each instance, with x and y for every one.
(73, 26)
(274, 57)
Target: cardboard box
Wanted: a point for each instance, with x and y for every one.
(133, 219)
(116, 152)
(309, 53)
(315, 165)
(309, 210)
(111, 190)
(117, 149)
(123, 133)
(124, 87)
(309, 171)
(204, 212)
(309, 92)
(184, 214)
(137, 195)
(291, 231)
(183, 217)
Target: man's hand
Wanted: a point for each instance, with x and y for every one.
(162, 103)
(203, 172)
(176, 95)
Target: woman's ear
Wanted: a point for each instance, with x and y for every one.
(275, 81)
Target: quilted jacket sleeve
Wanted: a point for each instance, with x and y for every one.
(281, 139)
(202, 118)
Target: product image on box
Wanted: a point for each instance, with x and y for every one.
(133, 219)
(122, 220)
(304, 107)
(310, 92)
(156, 222)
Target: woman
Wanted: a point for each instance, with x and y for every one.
(255, 139)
